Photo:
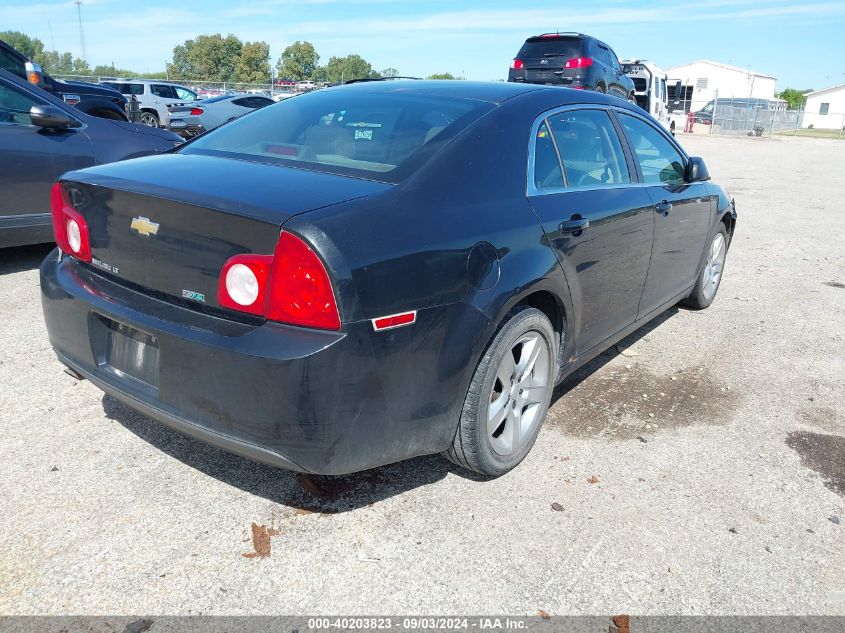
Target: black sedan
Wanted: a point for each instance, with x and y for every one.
(377, 271)
(42, 137)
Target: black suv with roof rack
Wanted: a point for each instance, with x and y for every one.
(90, 98)
(573, 60)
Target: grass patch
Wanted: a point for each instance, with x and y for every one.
(814, 133)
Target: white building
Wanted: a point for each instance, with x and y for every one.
(825, 109)
(704, 80)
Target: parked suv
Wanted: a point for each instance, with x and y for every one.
(573, 60)
(92, 99)
(155, 98)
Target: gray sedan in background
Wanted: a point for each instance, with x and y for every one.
(42, 137)
(205, 115)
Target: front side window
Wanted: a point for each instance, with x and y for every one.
(383, 136)
(184, 94)
(12, 63)
(14, 106)
(589, 148)
(660, 162)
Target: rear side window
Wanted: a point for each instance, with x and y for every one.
(590, 148)
(660, 162)
(382, 136)
(547, 174)
(160, 90)
(566, 47)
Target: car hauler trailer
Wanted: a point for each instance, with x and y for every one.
(650, 89)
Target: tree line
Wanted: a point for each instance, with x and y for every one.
(217, 58)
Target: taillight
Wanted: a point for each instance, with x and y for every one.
(517, 64)
(289, 286)
(196, 111)
(579, 62)
(69, 227)
(243, 283)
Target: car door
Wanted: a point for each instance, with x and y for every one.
(32, 159)
(596, 218)
(164, 96)
(620, 79)
(682, 211)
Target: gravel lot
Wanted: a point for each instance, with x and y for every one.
(728, 500)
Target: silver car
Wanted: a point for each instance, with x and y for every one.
(205, 115)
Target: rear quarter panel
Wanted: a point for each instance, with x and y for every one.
(459, 243)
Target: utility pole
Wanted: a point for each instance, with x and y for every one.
(78, 4)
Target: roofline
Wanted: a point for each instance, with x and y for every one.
(747, 71)
(821, 90)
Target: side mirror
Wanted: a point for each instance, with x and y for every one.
(51, 118)
(696, 170)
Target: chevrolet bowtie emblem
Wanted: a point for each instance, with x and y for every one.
(144, 226)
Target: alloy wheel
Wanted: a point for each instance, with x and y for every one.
(714, 266)
(519, 393)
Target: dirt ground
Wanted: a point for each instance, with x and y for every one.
(697, 468)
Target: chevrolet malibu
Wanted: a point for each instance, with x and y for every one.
(382, 270)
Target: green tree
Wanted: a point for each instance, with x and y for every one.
(298, 61)
(32, 47)
(57, 63)
(795, 99)
(211, 57)
(448, 76)
(112, 71)
(253, 65)
(342, 69)
(390, 72)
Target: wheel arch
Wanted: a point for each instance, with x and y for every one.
(551, 295)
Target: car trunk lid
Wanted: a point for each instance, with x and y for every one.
(167, 224)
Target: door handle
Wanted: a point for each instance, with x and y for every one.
(663, 207)
(574, 225)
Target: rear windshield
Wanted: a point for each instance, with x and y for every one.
(567, 47)
(374, 135)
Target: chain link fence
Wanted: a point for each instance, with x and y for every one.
(761, 118)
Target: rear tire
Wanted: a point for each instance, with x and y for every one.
(509, 395)
(150, 119)
(710, 275)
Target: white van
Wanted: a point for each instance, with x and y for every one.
(650, 89)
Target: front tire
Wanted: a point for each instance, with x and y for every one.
(710, 275)
(508, 397)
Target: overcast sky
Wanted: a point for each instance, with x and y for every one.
(801, 43)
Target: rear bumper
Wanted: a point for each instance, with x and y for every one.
(185, 129)
(554, 77)
(313, 401)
